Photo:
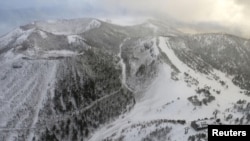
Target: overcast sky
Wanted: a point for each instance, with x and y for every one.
(233, 14)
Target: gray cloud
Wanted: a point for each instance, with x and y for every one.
(232, 14)
(243, 2)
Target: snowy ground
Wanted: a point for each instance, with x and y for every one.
(24, 87)
(167, 99)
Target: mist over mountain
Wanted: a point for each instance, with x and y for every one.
(12, 18)
(224, 16)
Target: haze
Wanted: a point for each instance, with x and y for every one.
(231, 16)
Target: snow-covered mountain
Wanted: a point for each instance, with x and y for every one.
(86, 79)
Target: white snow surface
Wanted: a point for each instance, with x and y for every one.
(43, 34)
(123, 65)
(59, 53)
(24, 87)
(24, 36)
(69, 27)
(10, 36)
(167, 99)
(37, 53)
(48, 88)
(18, 35)
(74, 38)
(93, 24)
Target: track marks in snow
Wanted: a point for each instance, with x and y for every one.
(44, 91)
(24, 91)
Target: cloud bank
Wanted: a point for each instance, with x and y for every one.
(231, 14)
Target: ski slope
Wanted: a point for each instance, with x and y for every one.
(167, 99)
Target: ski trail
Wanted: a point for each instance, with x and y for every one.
(123, 65)
(166, 48)
(42, 98)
